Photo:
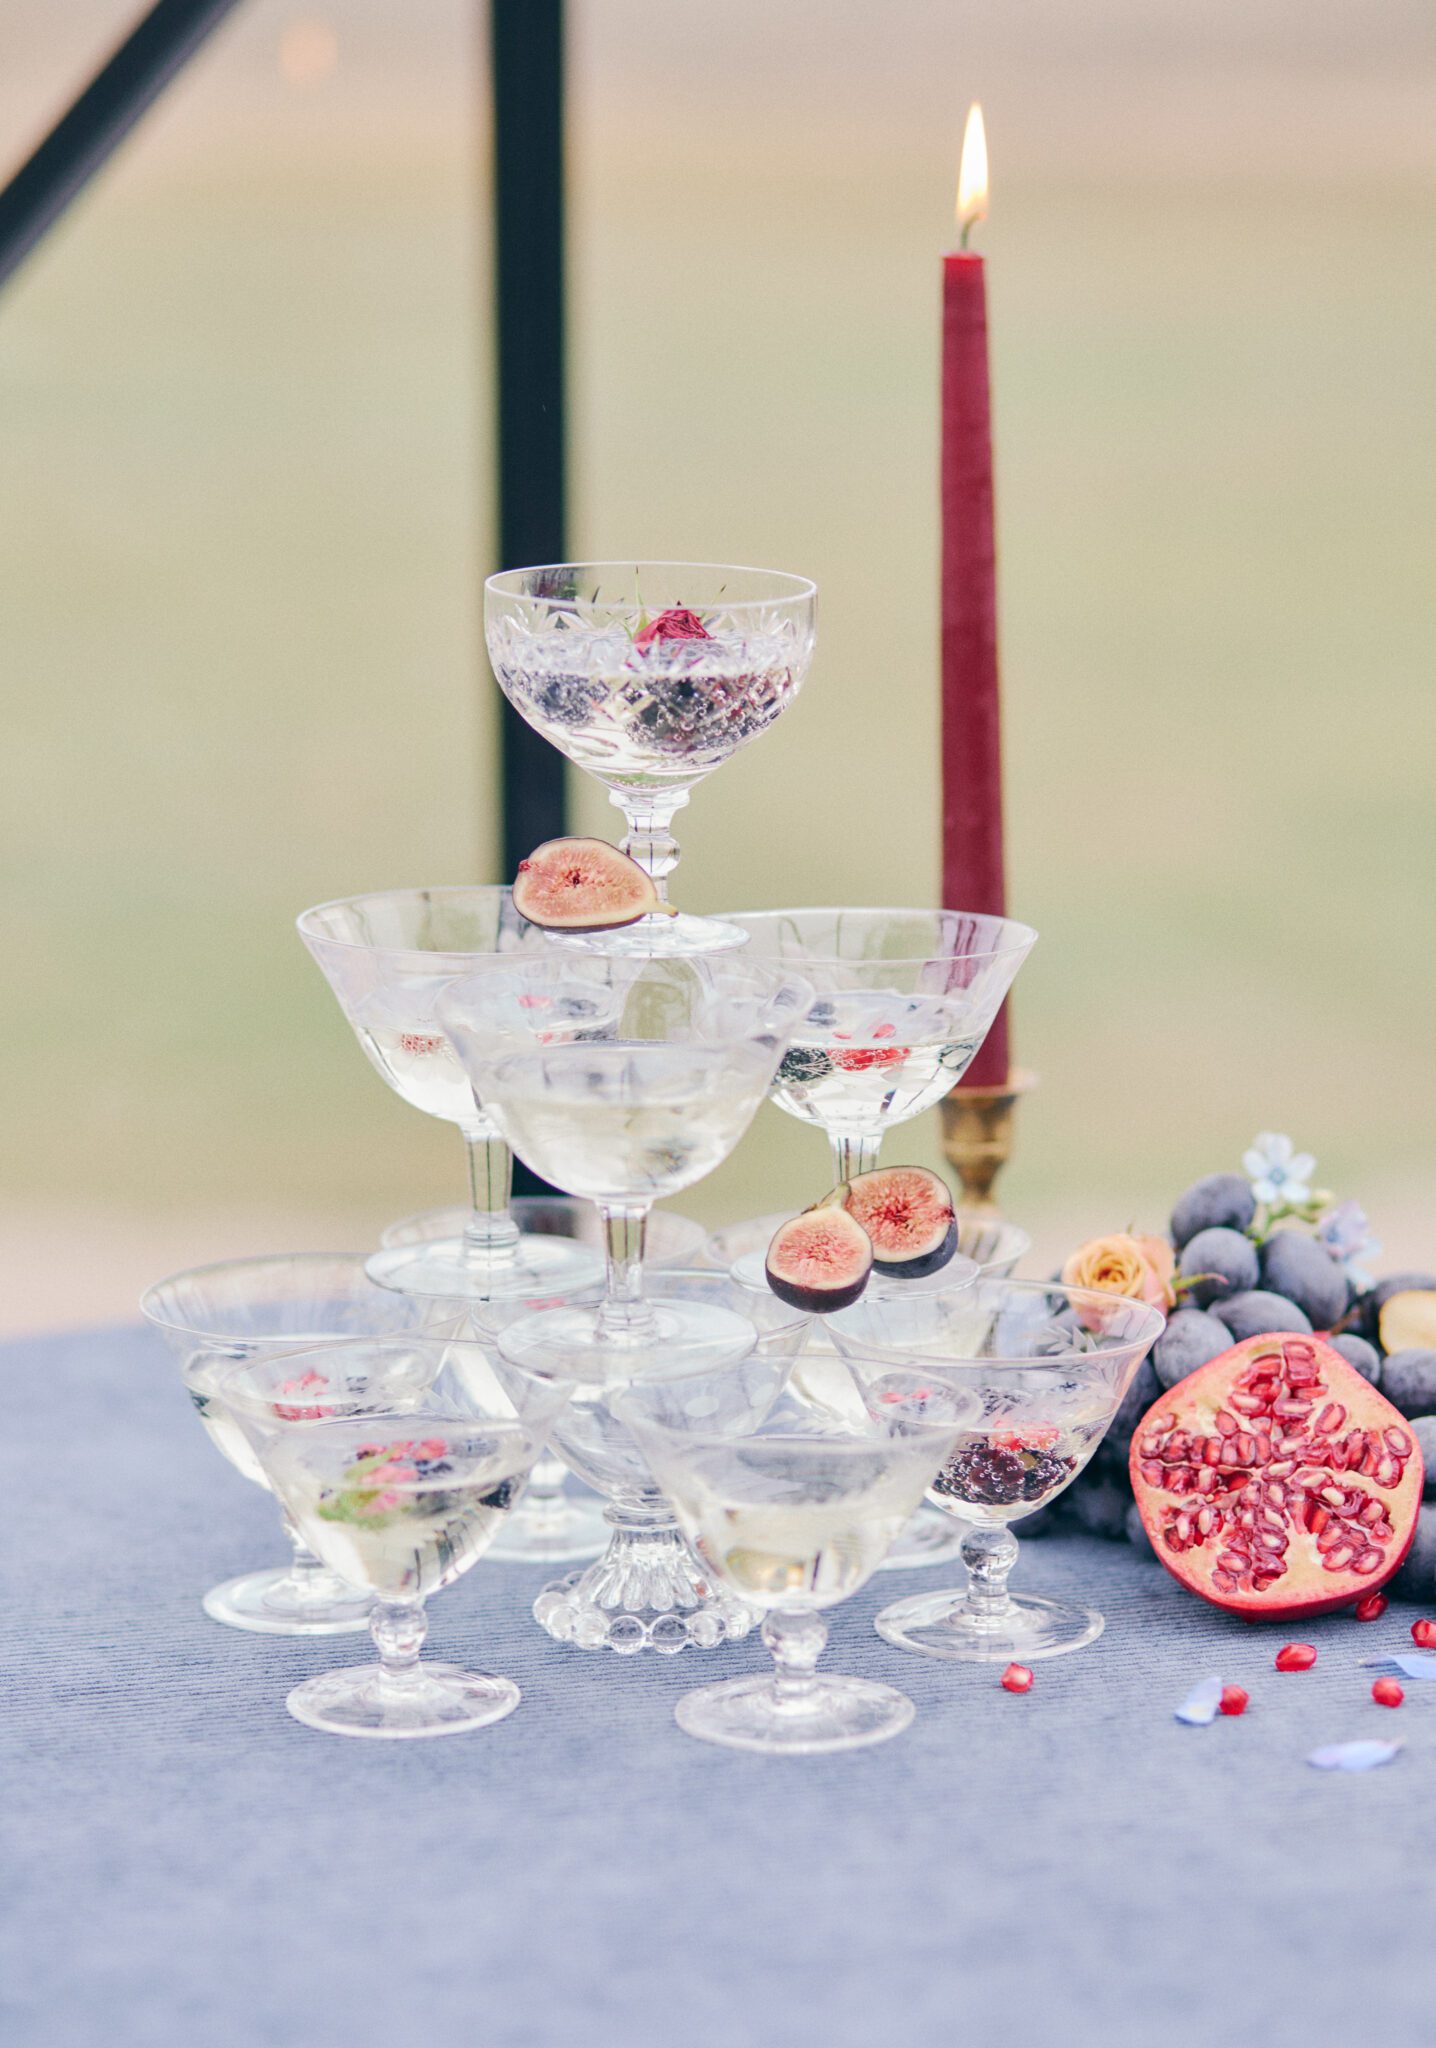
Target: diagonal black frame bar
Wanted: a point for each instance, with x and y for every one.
(526, 71)
(92, 129)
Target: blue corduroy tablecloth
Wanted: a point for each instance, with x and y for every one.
(185, 1864)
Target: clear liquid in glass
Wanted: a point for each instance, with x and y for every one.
(644, 717)
(784, 1541)
(358, 1507)
(626, 1123)
(869, 1058)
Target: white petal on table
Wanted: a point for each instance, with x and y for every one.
(1199, 1708)
(1412, 1665)
(1354, 1756)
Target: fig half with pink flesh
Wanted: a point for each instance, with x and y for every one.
(584, 885)
(820, 1261)
(1276, 1482)
(908, 1215)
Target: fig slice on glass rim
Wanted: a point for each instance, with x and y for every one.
(1276, 1482)
(819, 1261)
(584, 885)
(908, 1213)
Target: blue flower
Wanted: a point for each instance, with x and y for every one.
(1277, 1172)
(1346, 1233)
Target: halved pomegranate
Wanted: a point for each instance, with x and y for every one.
(1276, 1481)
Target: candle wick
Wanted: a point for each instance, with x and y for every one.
(966, 231)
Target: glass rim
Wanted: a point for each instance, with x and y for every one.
(449, 889)
(216, 1268)
(1062, 1361)
(800, 588)
(845, 1439)
(420, 1483)
(1022, 936)
(422, 1341)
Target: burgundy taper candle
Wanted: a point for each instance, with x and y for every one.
(972, 872)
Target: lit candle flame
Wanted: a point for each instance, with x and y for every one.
(972, 175)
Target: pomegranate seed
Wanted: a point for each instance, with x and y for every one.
(1017, 1678)
(1372, 1607)
(1233, 1700)
(1423, 1634)
(1295, 1657)
(1387, 1693)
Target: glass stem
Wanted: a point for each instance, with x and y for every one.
(648, 839)
(399, 1628)
(853, 1155)
(625, 1316)
(544, 1500)
(795, 1643)
(490, 1234)
(305, 1568)
(989, 1551)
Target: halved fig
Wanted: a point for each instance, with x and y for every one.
(584, 885)
(908, 1215)
(820, 1261)
(1276, 1482)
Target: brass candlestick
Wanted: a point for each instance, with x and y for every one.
(977, 1126)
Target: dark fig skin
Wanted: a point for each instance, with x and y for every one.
(930, 1262)
(831, 1284)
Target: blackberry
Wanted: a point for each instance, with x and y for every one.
(804, 1063)
(982, 1472)
(1045, 1470)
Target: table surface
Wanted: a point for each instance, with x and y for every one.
(185, 1863)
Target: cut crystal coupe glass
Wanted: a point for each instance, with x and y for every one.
(399, 1459)
(551, 1525)
(214, 1316)
(793, 1514)
(647, 1591)
(649, 675)
(645, 1107)
(1031, 1375)
(387, 958)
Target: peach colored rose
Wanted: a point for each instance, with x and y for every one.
(1139, 1267)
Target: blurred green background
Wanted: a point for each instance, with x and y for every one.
(244, 519)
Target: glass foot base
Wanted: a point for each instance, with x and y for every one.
(439, 1700)
(672, 1240)
(835, 1713)
(931, 1537)
(660, 937)
(448, 1267)
(938, 1625)
(573, 1340)
(281, 1602)
(552, 1532)
(647, 1592)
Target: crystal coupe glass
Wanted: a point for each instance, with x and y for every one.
(639, 1111)
(399, 1459)
(551, 1525)
(1031, 1374)
(793, 1515)
(902, 1001)
(649, 675)
(213, 1316)
(387, 958)
(647, 1591)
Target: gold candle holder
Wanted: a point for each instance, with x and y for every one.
(977, 1126)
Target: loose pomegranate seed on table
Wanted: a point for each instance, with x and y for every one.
(1017, 1678)
(1295, 1657)
(1234, 1699)
(1423, 1634)
(1387, 1693)
(1372, 1607)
